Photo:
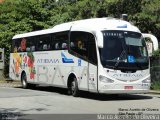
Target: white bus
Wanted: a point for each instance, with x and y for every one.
(101, 55)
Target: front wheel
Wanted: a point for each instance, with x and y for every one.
(73, 88)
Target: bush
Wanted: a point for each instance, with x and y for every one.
(155, 85)
(6, 70)
(156, 53)
(155, 70)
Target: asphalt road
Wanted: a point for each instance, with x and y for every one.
(46, 101)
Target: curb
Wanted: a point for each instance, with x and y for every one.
(154, 92)
(10, 83)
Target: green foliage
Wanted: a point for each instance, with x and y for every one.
(155, 85)
(148, 19)
(156, 53)
(20, 16)
(130, 7)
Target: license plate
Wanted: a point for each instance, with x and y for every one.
(128, 87)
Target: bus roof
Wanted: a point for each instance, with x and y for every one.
(91, 25)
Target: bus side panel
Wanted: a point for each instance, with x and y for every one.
(11, 68)
(93, 78)
(52, 68)
(44, 68)
(76, 66)
(49, 67)
(83, 75)
(71, 64)
(15, 67)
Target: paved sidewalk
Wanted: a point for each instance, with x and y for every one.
(10, 83)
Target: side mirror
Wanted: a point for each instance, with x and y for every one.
(99, 39)
(153, 45)
(153, 39)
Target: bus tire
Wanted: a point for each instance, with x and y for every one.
(73, 88)
(24, 81)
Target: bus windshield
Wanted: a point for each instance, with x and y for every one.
(124, 50)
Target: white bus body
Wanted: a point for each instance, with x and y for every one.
(86, 63)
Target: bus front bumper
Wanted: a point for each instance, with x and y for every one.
(124, 89)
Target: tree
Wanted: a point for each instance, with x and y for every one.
(148, 19)
(15, 20)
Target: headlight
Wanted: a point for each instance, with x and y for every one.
(105, 79)
(147, 80)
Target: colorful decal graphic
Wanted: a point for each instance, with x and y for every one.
(24, 61)
(30, 63)
(65, 59)
(17, 61)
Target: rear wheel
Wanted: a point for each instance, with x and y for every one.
(24, 81)
(73, 88)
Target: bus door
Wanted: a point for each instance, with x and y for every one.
(78, 47)
(92, 62)
(82, 45)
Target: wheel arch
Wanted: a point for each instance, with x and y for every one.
(70, 78)
(23, 72)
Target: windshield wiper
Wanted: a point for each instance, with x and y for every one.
(108, 66)
(120, 57)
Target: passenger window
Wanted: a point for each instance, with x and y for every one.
(54, 41)
(16, 45)
(44, 43)
(78, 43)
(61, 40)
(30, 44)
(20, 45)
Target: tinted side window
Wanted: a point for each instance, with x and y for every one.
(19, 45)
(79, 44)
(31, 44)
(15, 45)
(60, 41)
(23, 44)
(44, 43)
(92, 56)
(54, 41)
